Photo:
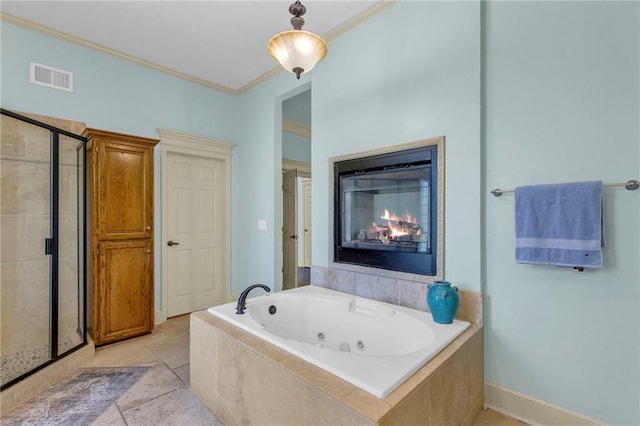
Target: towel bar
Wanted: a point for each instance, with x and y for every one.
(631, 185)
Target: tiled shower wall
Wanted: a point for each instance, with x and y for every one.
(25, 223)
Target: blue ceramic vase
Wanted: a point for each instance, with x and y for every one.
(443, 301)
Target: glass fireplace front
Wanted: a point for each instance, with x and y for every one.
(385, 210)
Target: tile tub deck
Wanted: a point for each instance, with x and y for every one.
(246, 380)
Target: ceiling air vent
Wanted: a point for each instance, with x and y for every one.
(51, 77)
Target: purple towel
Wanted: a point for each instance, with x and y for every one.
(560, 224)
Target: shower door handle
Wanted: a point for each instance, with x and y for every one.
(48, 246)
(171, 243)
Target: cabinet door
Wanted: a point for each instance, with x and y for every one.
(125, 191)
(124, 290)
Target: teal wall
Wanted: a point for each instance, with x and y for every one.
(298, 109)
(409, 73)
(525, 93)
(543, 98)
(296, 147)
(112, 94)
(562, 105)
(257, 172)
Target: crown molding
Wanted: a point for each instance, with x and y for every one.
(351, 23)
(296, 128)
(264, 77)
(357, 20)
(339, 30)
(86, 43)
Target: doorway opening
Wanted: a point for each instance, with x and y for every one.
(296, 191)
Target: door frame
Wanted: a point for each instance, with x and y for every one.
(203, 147)
(286, 222)
(307, 217)
(304, 171)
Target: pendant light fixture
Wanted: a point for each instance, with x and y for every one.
(297, 51)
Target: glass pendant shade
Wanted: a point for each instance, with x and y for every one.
(297, 51)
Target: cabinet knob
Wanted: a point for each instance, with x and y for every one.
(148, 250)
(148, 227)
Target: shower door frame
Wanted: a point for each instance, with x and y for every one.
(51, 244)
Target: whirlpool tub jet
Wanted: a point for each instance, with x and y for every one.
(373, 345)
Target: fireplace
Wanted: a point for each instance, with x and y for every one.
(385, 211)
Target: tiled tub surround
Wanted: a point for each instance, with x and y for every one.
(401, 292)
(346, 335)
(246, 380)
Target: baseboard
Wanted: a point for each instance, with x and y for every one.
(159, 317)
(531, 410)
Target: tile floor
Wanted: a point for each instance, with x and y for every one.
(162, 396)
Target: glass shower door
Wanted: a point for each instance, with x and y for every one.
(70, 244)
(42, 251)
(25, 212)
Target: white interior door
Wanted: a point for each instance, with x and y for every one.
(194, 261)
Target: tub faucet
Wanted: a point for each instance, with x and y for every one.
(242, 300)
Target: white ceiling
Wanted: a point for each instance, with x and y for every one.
(219, 42)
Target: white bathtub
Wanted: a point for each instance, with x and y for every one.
(374, 345)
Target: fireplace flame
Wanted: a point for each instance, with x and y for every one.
(396, 228)
(393, 217)
(397, 231)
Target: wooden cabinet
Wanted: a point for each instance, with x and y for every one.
(124, 293)
(125, 191)
(120, 223)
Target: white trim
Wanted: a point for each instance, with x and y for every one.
(531, 410)
(296, 128)
(304, 169)
(109, 51)
(351, 23)
(198, 146)
(194, 145)
(339, 30)
(159, 317)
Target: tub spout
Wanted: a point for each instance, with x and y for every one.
(242, 300)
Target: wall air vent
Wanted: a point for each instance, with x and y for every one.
(51, 77)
